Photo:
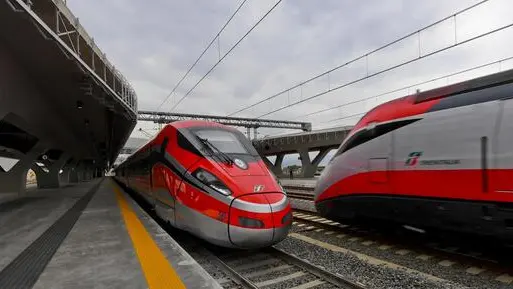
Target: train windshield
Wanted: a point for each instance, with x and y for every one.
(224, 141)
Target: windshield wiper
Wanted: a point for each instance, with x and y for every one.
(223, 156)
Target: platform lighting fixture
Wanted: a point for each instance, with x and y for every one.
(80, 104)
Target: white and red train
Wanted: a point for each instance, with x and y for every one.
(437, 159)
(207, 178)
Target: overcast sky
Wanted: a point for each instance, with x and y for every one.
(154, 42)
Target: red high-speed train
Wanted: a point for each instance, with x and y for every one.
(207, 178)
(437, 159)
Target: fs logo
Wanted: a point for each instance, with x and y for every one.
(413, 158)
(258, 188)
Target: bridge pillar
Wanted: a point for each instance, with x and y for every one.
(308, 168)
(50, 179)
(65, 177)
(15, 180)
(87, 174)
(83, 174)
(77, 172)
(276, 167)
(73, 175)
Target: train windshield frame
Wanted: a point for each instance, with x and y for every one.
(226, 141)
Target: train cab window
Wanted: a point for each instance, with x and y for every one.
(370, 133)
(184, 143)
(225, 141)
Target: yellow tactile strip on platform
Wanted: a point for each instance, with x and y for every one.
(156, 268)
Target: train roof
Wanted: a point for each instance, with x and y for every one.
(176, 124)
(198, 123)
(421, 102)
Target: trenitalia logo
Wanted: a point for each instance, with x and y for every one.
(258, 188)
(413, 158)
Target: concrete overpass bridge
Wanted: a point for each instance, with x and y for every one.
(301, 143)
(65, 111)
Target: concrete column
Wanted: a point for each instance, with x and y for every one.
(308, 168)
(77, 173)
(86, 174)
(65, 177)
(14, 181)
(276, 167)
(82, 174)
(50, 179)
(73, 175)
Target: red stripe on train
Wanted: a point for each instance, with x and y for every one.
(448, 184)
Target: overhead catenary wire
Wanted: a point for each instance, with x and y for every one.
(202, 53)
(357, 58)
(227, 53)
(499, 62)
(406, 87)
(389, 69)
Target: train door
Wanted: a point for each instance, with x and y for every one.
(439, 157)
(378, 158)
(501, 174)
(378, 153)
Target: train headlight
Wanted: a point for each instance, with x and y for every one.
(287, 218)
(250, 222)
(211, 181)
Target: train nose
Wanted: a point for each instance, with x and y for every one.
(257, 220)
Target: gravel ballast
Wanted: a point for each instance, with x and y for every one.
(351, 267)
(454, 273)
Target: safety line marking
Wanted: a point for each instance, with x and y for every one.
(368, 259)
(156, 268)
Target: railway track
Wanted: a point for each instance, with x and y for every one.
(300, 192)
(274, 268)
(266, 268)
(450, 249)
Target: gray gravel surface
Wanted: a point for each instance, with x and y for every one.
(302, 204)
(212, 268)
(454, 273)
(356, 270)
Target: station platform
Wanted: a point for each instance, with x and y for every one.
(89, 235)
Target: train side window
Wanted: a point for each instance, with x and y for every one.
(366, 135)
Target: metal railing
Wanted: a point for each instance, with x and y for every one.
(167, 117)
